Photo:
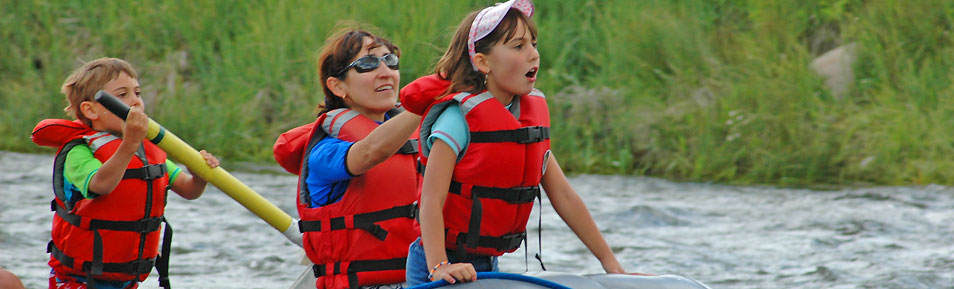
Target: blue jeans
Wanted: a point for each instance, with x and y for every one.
(417, 269)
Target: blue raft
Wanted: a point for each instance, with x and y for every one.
(549, 279)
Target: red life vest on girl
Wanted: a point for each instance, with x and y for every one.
(112, 237)
(497, 177)
(363, 238)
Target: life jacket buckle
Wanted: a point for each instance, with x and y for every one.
(149, 225)
(143, 266)
(148, 172)
(318, 270)
(527, 194)
(415, 210)
(535, 134)
(513, 240)
(152, 172)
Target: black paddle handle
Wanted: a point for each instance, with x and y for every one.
(113, 104)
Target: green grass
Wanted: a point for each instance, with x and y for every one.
(714, 90)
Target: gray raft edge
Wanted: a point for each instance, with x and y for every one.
(588, 281)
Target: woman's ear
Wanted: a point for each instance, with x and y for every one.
(337, 87)
(86, 108)
(482, 61)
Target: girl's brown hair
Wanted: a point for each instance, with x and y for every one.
(86, 80)
(339, 50)
(455, 65)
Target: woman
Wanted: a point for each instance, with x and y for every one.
(357, 166)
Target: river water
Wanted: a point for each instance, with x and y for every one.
(725, 236)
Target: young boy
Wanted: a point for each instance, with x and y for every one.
(110, 185)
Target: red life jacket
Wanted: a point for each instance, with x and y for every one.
(363, 238)
(497, 176)
(112, 237)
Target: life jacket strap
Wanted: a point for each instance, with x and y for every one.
(420, 167)
(145, 225)
(352, 268)
(162, 261)
(515, 195)
(524, 135)
(148, 172)
(503, 243)
(409, 147)
(364, 221)
(137, 267)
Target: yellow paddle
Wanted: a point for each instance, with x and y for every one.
(220, 178)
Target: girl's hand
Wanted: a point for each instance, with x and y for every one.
(452, 273)
(209, 159)
(613, 267)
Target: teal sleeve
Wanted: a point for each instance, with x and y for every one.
(79, 168)
(451, 128)
(173, 171)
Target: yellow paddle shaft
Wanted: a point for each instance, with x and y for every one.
(183, 153)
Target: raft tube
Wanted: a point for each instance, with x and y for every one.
(548, 279)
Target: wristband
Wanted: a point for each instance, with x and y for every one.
(431, 275)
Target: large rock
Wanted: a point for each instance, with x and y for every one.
(835, 66)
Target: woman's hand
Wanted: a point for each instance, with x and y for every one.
(452, 273)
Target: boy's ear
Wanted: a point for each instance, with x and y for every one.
(483, 62)
(337, 86)
(86, 108)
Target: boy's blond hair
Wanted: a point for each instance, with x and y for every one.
(86, 80)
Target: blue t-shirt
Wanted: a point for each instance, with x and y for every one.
(328, 175)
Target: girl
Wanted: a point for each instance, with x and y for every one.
(487, 153)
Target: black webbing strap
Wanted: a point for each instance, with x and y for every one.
(472, 237)
(322, 269)
(142, 226)
(373, 265)
(96, 267)
(364, 221)
(356, 267)
(409, 147)
(162, 261)
(523, 135)
(517, 195)
(139, 267)
(420, 167)
(539, 254)
(149, 172)
(133, 268)
(502, 243)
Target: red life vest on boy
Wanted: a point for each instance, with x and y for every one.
(363, 238)
(498, 175)
(113, 237)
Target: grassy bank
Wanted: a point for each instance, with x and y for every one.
(691, 90)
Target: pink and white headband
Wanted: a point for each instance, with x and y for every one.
(488, 19)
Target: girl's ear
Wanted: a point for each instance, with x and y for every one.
(337, 86)
(86, 108)
(483, 62)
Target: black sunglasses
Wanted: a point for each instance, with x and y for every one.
(370, 62)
